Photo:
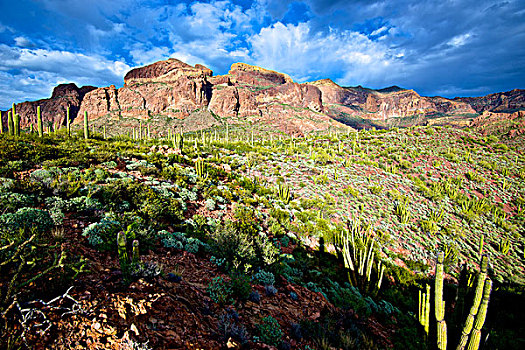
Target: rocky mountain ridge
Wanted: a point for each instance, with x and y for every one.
(191, 97)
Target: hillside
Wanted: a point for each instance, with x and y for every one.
(235, 239)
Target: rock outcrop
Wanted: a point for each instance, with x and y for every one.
(174, 94)
(501, 102)
(54, 108)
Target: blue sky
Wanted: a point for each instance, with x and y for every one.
(438, 47)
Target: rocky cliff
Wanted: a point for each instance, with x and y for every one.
(501, 102)
(175, 94)
(54, 108)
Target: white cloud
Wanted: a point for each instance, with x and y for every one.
(21, 41)
(296, 50)
(459, 40)
(28, 74)
(69, 64)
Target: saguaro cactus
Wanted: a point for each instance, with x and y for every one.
(135, 256)
(86, 125)
(477, 314)
(10, 126)
(439, 304)
(178, 142)
(1, 124)
(480, 319)
(68, 122)
(40, 125)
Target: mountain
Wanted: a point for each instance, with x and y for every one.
(173, 94)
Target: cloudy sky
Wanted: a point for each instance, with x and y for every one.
(436, 47)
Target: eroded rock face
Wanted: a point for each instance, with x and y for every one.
(506, 102)
(180, 94)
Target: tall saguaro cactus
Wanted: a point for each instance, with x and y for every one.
(1, 124)
(86, 125)
(39, 122)
(439, 304)
(16, 121)
(10, 126)
(68, 122)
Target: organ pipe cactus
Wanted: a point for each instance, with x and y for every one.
(40, 125)
(424, 308)
(1, 124)
(357, 246)
(86, 126)
(200, 168)
(283, 191)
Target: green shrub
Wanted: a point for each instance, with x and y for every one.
(220, 291)
(103, 234)
(270, 331)
(264, 278)
(241, 287)
(25, 220)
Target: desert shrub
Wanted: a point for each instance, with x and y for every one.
(148, 202)
(11, 201)
(228, 327)
(173, 240)
(233, 245)
(25, 220)
(269, 331)
(220, 291)
(103, 234)
(241, 287)
(264, 278)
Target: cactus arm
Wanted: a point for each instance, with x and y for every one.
(480, 319)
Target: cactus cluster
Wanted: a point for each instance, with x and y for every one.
(200, 169)
(471, 332)
(424, 309)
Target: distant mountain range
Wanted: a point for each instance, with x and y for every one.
(181, 95)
